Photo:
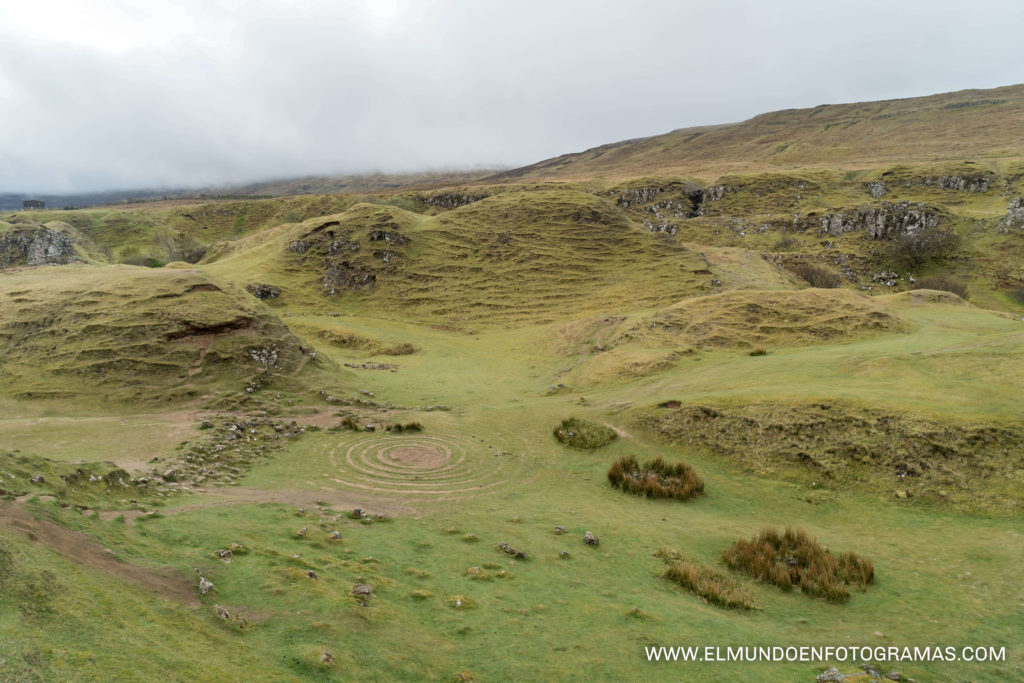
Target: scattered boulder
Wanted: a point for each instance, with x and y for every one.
(222, 612)
(205, 586)
(335, 535)
(311, 574)
(224, 555)
(877, 189)
(326, 657)
(358, 513)
(590, 539)
(301, 533)
(830, 675)
(559, 529)
(38, 479)
(518, 554)
(362, 589)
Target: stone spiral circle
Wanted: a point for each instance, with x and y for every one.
(423, 466)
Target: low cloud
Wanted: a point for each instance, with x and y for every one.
(206, 93)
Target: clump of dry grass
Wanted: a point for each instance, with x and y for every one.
(705, 582)
(792, 558)
(816, 275)
(656, 478)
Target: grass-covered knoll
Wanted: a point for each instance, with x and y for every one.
(518, 257)
(705, 582)
(580, 433)
(133, 333)
(967, 464)
(655, 478)
(793, 559)
(745, 319)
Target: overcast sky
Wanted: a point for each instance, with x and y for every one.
(103, 94)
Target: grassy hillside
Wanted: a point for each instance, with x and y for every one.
(392, 429)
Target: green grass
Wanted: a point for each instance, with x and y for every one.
(495, 321)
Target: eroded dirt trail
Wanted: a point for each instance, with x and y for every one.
(81, 550)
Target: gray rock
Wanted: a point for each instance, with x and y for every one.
(204, 585)
(559, 529)
(830, 675)
(362, 589)
(877, 189)
(880, 222)
(1015, 214)
(263, 291)
(35, 245)
(590, 539)
(222, 612)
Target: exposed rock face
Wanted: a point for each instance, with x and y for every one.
(969, 183)
(881, 222)
(716, 192)
(877, 189)
(452, 200)
(666, 202)
(1015, 214)
(263, 291)
(36, 246)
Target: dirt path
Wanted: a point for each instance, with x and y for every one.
(81, 550)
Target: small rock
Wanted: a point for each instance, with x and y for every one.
(38, 479)
(358, 513)
(311, 574)
(205, 586)
(894, 676)
(361, 589)
(335, 535)
(326, 657)
(222, 613)
(564, 555)
(871, 671)
(224, 555)
(830, 675)
(561, 529)
(590, 539)
(301, 532)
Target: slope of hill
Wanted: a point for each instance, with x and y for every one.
(968, 124)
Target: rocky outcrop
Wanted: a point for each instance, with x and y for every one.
(263, 291)
(346, 276)
(964, 183)
(336, 248)
(35, 246)
(666, 202)
(877, 189)
(1015, 214)
(884, 221)
(452, 200)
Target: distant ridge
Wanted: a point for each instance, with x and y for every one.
(967, 124)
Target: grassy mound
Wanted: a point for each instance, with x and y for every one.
(134, 333)
(579, 433)
(516, 257)
(704, 582)
(745, 319)
(792, 558)
(655, 478)
(834, 444)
